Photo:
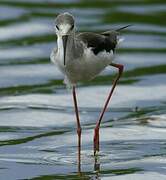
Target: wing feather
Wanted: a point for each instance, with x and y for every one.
(98, 42)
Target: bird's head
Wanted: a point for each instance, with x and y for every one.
(64, 26)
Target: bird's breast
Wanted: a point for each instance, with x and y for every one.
(88, 65)
(84, 67)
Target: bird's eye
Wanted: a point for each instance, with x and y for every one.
(57, 27)
(72, 27)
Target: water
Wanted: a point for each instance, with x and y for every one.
(37, 123)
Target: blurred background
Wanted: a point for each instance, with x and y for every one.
(37, 123)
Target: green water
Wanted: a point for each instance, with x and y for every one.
(38, 137)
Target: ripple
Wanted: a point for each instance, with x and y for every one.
(144, 41)
(11, 12)
(29, 74)
(124, 97)
(157, 8)
(25, 52)
(31, 28)
(21, 105)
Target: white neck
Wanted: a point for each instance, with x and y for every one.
(74, 48)
(70, 47)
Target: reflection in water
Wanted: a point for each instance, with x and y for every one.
(97, 166)
(96, 174)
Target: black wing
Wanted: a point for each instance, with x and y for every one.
(99, 42)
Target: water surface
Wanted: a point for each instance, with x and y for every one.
(38, 137)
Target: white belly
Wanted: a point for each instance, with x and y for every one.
(86, 67)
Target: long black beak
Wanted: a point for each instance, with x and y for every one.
(64, 39)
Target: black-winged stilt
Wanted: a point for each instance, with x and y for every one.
(81, 57)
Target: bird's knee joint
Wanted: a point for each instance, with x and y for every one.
(79, 131)
(96, 130)
(121, 67)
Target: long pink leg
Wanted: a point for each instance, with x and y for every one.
(78, 127)
(96, 130)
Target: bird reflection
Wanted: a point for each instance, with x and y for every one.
(96, 174)
(97, 167)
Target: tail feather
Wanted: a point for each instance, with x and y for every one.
(115, 32)
(124, 27)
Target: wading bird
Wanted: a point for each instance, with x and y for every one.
(82, 56)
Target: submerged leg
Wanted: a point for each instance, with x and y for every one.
(96, 130)
(78, 127)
